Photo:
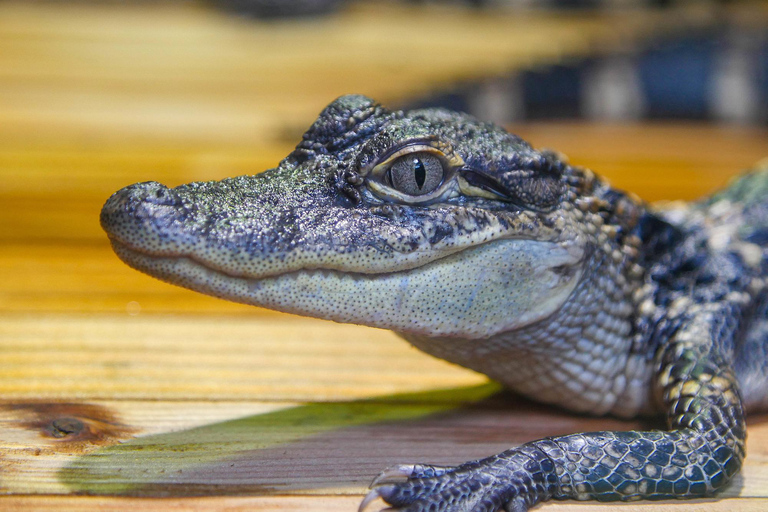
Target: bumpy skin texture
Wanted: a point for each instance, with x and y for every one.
(481, 250)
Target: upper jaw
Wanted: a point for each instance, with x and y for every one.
(247, 227)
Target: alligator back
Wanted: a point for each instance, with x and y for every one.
(749, 193)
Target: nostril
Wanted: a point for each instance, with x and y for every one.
(154, 193)
(138, 201)
(118, 202)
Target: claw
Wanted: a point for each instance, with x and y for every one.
(371, 496)
(393, 474)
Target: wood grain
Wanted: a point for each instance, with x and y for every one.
(152, 356)
(157, 398)
(331, 503)
(189, 448)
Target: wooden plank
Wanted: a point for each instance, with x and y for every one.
(180, 71)
(333, 504)
(210, 357)
(326, 503)
(167, 448)
(57, 195)
(71, 278)
(659, 160)
(49, 203)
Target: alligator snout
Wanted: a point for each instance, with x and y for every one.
(142, 216)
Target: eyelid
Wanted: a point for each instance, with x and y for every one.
(380, 168)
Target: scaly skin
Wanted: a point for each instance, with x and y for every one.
(481, 250)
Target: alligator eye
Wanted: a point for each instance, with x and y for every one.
(417, 174)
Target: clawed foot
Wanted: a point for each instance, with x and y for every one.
(475, 486)
(399, 474)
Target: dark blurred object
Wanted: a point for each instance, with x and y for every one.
(717, 75)
(271, 9)
(677, 78)
(571, 4)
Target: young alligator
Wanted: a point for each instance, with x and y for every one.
(480, 250)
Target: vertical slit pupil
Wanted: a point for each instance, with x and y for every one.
(420, 172)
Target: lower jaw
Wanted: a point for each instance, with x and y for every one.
(473, 294)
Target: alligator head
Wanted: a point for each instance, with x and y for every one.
(426, 222)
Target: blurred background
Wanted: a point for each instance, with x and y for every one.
(95, 95)
(665, 98)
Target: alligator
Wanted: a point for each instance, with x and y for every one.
(481, 250)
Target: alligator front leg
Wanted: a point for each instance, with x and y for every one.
(698, 455)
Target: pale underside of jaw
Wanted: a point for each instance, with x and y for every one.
(474, 293)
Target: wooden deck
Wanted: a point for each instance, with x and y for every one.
(123, 393)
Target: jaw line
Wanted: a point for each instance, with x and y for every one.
(122, 248)
(132, 257)
(386, 255)
(188, 272)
